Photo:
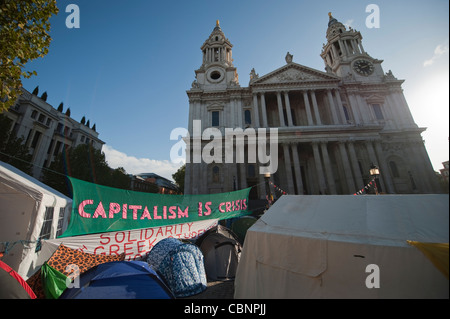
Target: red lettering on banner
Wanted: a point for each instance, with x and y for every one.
(129, 238)
(146, 235)
(123, 237)
(125, 249)
(173, 214)
(184, 213)
(151, 243)
(102, 237)
(244, 202)
(146, 214)
(208, 209)
(140, 246)
(135, 208)
(155, 213)
(114, 249)
(99, 211)
(81, 208)
(199, 208)
(165, 212)
(124, 211)
(169, 229)
(114, 208)
(228, 207)
(99, 247)
(159, 231)
(220, 207)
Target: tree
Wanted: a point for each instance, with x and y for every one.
(24, 36)
(86, 163)
(178, 177)
(12, 149)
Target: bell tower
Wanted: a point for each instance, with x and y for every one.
(217, 71)
(344, 54)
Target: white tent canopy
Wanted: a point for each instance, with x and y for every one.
(24, 202)
(320, 247)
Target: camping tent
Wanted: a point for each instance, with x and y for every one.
(29, 210)
(221, 251)
(346, 247)
(119, 280)
(12, 285)
(181, 266)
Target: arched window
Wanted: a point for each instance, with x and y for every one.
(394, 169)
(248, 117)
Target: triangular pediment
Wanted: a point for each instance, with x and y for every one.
(293, 72)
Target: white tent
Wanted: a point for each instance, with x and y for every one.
(25, 203)
(346, 247)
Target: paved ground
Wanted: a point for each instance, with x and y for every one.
(216, 290)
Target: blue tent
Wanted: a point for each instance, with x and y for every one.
(119, 280)
(181, 266)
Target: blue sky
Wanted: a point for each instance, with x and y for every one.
(128, 66)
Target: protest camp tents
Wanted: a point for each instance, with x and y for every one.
(180, 265)
(12, 285)
(221, 252)
(68, 262)
(29, 211)
(348, 247)
(119, 280)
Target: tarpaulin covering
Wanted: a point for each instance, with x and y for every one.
(98, 209)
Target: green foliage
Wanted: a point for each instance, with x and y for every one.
(86, 163)
(178, 177)
(12, 149)
(24, 36)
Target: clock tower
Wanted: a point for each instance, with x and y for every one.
(344, 54)
(217, 71)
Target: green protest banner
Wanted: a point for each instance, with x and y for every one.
(98, 209)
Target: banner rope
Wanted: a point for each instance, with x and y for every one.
(365, 188)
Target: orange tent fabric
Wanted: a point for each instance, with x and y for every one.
(63, 258)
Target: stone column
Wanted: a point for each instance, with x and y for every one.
(308, 108)
(255, 110)
(340, 106)
(364, 109)
(347, 169)
(280, 109)
(264, 110)
(287, 163)
(315, 108)
(332, 107)
(319, 168)
(354, 108)
(328, 168)
(297, 169)
(288, 108)
(355, 166)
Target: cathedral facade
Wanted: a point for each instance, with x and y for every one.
(332, 126)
